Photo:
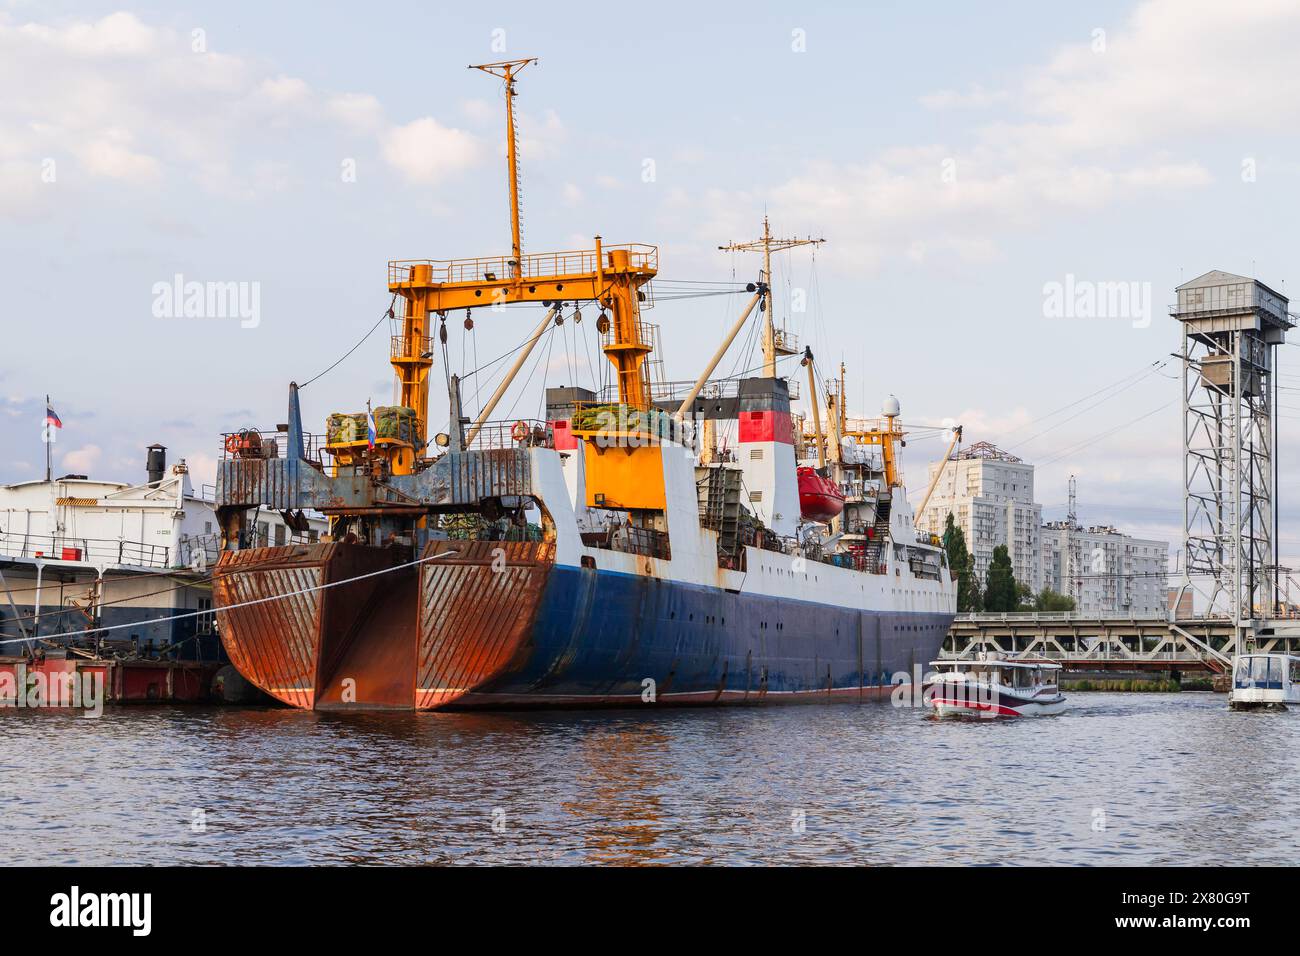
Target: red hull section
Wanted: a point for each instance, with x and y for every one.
(820, 499)
(124, 682)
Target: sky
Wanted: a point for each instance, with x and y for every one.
(964, 163)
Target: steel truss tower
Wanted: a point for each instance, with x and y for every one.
(1231, 329)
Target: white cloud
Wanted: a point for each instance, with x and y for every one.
(1079, 132)
(360, 111)
(1177, 67)
(118, 34)
(425, 151)
(203, 469)
(119, 99)
(110, 155)
(82, 461)
(975, 98)
(479, 111)
(540, 137)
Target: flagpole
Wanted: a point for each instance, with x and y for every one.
(45, 432)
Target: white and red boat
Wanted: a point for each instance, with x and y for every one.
(994, 688)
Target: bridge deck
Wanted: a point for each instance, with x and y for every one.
(1112, 643)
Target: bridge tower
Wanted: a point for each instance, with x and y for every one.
(1231, 327)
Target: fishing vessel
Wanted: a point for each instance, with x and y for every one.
(651, 542)
(994, 688)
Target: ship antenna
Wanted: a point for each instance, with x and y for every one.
(772, 343)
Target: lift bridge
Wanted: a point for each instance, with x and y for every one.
(1231, 574)
(1116, 642)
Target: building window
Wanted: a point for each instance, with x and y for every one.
(263, 534)
(279, 535)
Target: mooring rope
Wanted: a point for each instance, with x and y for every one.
(214, 610)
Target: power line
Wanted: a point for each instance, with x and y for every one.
(1079, 446)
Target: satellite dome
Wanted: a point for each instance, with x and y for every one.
(891, 408)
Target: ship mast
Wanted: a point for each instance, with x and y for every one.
(508, 70)
(609, 276)
(772, 345)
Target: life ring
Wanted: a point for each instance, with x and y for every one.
(519, 430)
(232, 443)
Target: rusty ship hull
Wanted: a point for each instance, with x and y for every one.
(496, 625)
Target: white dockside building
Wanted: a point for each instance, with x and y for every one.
(77, 552)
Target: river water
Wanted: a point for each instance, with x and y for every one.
(1118, 779)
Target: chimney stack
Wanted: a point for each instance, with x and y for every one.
(156, 462)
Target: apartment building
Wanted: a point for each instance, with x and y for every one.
(991, 496)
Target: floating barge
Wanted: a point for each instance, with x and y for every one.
(122, 681)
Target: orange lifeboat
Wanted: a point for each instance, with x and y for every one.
(820, 499)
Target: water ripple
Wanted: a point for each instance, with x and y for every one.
(1119, 779)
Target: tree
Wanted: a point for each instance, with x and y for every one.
(962, 567)
(1000, 593)
(1049, 600)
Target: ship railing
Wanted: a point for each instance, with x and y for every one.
(521, 433)
(615, 424)
(630, 539)
(410, 347)
(647, 333)
(537, 265)
(1034, 617)
(85, 550)
(190, 547)
(255, 444)
(646, 542)
(785, 341)
(677, 391)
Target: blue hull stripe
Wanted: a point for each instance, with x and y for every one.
(602, 633)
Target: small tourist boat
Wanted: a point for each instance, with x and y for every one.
(1265, 682)
(994, 688)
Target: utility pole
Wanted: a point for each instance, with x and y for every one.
(772, 346)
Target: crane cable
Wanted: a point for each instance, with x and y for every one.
(388, 314)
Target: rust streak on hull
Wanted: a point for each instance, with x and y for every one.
(476, 611)
(415, 638)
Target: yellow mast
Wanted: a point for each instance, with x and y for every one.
(508, 70)
(844, 402)
(771, 345)
(611, 276)
(816, 407)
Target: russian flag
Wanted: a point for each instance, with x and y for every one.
(51, 418)
(370, 428)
